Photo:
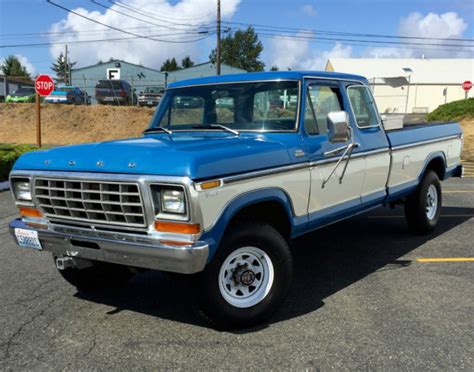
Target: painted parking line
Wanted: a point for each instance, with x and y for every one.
(448, 259)
(456, 191)
(443, 215)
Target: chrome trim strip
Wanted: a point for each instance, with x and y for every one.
(427, 142)
(333, 79)
(232, 82)
(265, 172)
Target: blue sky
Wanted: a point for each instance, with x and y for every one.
(407, 17)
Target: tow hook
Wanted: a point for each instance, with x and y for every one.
(63, 263)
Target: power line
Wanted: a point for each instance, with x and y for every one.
(118, 29)
(342, 33)
(118, 39)
(164, 15)
(136, 18)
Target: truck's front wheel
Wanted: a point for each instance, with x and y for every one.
(98, 274)
(248, 278)
(422, 209)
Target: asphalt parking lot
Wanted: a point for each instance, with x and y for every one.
(360, 300)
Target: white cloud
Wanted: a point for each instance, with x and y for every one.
(298, 54)
(180, 17)
(443, 26)
(308, 9)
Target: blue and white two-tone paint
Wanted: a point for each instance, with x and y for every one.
(293, 150)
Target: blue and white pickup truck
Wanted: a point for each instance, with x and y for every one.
(230, 170)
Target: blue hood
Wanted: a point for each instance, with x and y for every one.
(198, 156)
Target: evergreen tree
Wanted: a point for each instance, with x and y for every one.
(241, 49)
(59, 67)
(12, 67)
(274, 68)
(170, 65)
(186, 62)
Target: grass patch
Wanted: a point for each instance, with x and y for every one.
(453, 111)
(8, 155)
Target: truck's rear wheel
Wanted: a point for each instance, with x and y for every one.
(422, 209)
(249, 277)
(96, 275)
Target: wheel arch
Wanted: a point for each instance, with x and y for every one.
(272, 204)
(436, 162)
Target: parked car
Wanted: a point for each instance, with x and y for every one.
(67, 94)
(197, 196)
(117, 92)
(25, 94)
(150, 96)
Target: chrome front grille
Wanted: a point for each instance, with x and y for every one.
(94, 202)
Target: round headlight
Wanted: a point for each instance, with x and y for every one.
(173, 201)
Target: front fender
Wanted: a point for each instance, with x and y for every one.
(214, 234)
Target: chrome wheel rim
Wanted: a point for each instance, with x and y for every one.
(431, 204)
(246, 277)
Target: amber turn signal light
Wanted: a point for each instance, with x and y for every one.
(30, 212)
(179, 228)
(210, 185)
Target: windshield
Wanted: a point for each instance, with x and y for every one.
(65, 89)
(22, 92)
(109, 84)
(153, 90)
(264, 106)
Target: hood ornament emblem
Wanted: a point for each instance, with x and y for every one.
(132, 164)
(71, 163)
(47, 162)
(100, 164)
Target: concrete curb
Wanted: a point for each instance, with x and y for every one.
(4, 186)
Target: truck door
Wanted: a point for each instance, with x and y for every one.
(334, 191)
(373, 140)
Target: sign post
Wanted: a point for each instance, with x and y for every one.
(44, 85)
(467, 85)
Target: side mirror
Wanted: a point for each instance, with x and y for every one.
(338, 127)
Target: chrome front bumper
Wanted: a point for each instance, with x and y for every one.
(115, 247)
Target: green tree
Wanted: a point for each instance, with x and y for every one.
(241, 49)
(170, 65)
(274, 68)
(12, 67)
(186, 62)
(59, 67)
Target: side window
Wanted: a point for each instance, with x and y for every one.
(320, 101)
(363, 106)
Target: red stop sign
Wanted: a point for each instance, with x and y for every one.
(44, 85)
(467, 85)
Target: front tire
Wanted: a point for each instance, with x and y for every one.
(248, 278)
(99, 274)
(423, 208)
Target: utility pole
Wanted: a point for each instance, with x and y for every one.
(218, 54)
(65, 67)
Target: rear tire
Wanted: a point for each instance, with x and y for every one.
(248, 278)
(99, 274)
(423, 207)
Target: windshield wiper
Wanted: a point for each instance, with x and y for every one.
(158, 129)
(218, 126)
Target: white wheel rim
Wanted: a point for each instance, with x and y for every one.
(246, 277)
(431, 204)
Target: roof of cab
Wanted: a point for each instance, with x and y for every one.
(254, 76)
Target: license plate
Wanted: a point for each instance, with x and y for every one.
(28, 239)
(150, 102)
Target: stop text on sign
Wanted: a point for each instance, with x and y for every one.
(44, 85)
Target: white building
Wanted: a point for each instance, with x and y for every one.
(411, 85)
